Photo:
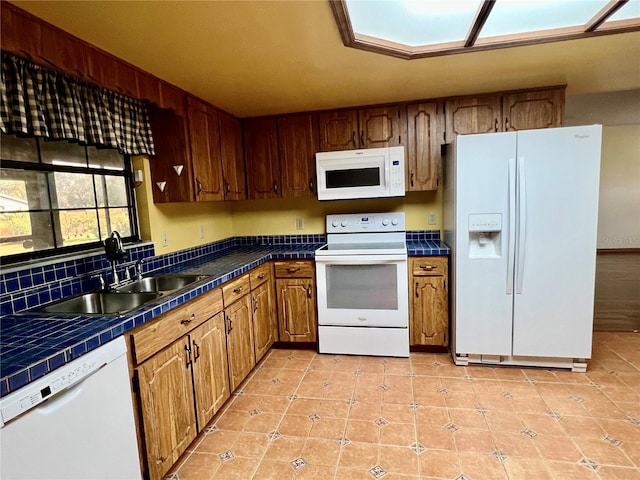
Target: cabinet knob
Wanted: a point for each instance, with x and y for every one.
(238, 290)
(261, 276)
(186, 321)
(293, 269)
(362, 139)
(311, 185)
(412, 175)
(275, 187)
(309, 290)
(428, 268)
(417, 290)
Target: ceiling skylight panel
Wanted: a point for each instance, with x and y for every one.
(510, 17)
(413, 22)
(628, 11)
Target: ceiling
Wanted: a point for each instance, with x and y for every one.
(267, 57)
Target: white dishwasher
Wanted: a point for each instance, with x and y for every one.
(74, 423)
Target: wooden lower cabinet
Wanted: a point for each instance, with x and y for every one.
(239, 340)
(429, 304)
(210, 372)
(166, 401)
(263, 319)
(297, 309)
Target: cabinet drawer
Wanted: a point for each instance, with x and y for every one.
(429, 266)
(294, 269)
(174, 324)
(235, 289)
(259, 275)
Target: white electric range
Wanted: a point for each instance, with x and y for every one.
(362, 286)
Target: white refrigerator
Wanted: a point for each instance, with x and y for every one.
(520, 216)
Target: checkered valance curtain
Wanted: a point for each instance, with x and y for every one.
(45, 103)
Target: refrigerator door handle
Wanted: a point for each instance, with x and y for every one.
(522, 214)
(511, 252)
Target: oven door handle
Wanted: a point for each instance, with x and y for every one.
(362, 260)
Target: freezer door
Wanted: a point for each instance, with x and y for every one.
(555, 256)
(482, 318)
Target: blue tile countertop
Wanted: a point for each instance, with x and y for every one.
(32, 345)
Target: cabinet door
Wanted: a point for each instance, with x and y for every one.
(263, 315)
(210, 373)
(298, 143)
(232, 157)
(473, 115)
(205, 151)
(430, 314)
(425, 134)
(380, 127)
(529, 110)
(261, 153)
(171, 167)
(166, 400)
(338, 130)
(239, 341)
(297, 309)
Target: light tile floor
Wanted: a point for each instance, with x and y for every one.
(301, 415)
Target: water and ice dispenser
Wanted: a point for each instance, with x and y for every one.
(485, 235)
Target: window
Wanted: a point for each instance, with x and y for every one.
(58, 196)
(424, 28)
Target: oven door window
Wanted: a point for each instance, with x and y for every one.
(354, 177)
(369, 287)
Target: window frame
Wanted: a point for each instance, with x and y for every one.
(595, 27)
(47, 168)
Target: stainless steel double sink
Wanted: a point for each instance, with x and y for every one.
(122, 299)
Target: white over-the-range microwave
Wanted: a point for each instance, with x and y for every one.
(365, 173)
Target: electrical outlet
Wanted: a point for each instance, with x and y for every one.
(432, 218)
(299, 223)
(165, 239)
(201, 231)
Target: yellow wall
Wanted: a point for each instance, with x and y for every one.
(182, 221)
(278, 216)
(619, 209)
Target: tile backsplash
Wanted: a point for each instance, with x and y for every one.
(31, 286)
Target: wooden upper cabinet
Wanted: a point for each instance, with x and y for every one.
(261, 155)
(380, 127)
(338, 130)
(425, 134)
(364, 128)
(63, 52)
(232, 157)
(536, 109)
(171, 173)
(204, 139)
(473, 115)
(20, 33)
(298, 142)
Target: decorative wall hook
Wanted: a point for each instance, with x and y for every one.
(161, 185)
(178, 169)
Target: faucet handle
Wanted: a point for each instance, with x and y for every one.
(103, 283)
(139, 268)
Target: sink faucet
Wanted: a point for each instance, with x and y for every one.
(114, 251)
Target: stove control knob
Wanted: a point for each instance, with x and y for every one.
(394, 221)
(335, 223)
(343, 223)
(385, 221)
